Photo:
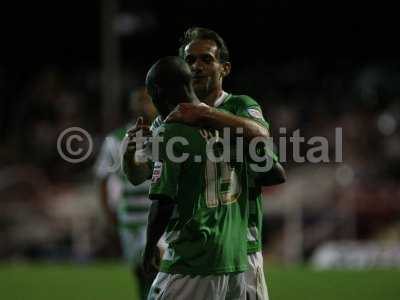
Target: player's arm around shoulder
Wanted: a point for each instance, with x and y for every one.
(245, 113)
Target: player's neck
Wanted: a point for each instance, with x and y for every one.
(212, 97)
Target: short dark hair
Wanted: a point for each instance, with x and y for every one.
(199, 33)
(166, 81)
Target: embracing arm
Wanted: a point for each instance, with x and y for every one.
(219, 120)
(203, 115)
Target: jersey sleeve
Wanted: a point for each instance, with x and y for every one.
(249, 108)
(166, 173)
(108, 158)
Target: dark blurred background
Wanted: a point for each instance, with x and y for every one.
(312, 67)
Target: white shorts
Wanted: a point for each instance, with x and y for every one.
(195, 287)
(133, 242)
(256, 287)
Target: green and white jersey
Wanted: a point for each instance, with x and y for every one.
(205, 233)
(244, 106)
(131, 202)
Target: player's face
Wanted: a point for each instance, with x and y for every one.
(203, 58)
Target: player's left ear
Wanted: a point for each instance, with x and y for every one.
(226, 69)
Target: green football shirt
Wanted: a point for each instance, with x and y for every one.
(207, 232)
(245, 106)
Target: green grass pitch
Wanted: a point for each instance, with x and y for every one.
(106, 281)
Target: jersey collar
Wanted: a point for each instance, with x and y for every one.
(221, 99)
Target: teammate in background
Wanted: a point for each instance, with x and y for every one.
(126, 206)
(206, 53)
(203, 203)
